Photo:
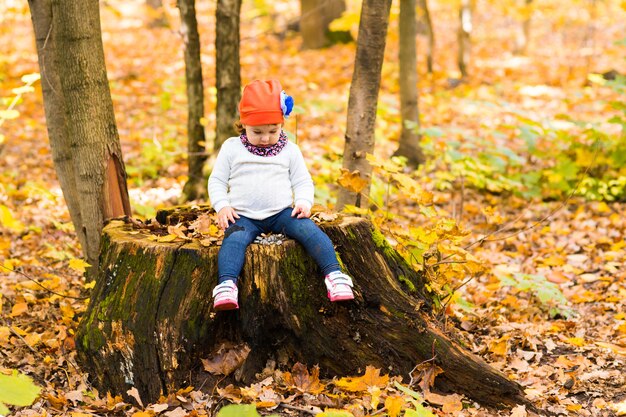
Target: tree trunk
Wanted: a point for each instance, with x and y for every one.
(195, 188)
(363, 99)
(54, 106)
(156, 14)
(151, 320)
(409, 146)
(463, 35)
(523, 33)
(315, 17)
(79, 112)
(227, 69)
(430, 33)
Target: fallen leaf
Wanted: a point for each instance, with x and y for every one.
(371, 378)
(134, 392)
(19, 309)
(519, 411)
(300, 379)
(394, 405)
(226, 359)
(79, 265)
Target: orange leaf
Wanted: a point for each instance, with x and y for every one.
(352, 181)
(371, 378)
(18, 309)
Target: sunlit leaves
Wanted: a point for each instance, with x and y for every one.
(17, 389)
(9, 221)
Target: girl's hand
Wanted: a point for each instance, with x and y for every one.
(225, 215)
(302, 210)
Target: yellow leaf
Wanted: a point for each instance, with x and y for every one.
(371, 378)
(394, 405)
(499, 346)
(576, 341)
(574, 407)
(7, 220)
(142, 414)
(77, 414)
(167, 238)
(620, 350)
(5, 332)
(352, 181)
(89, 285)
(78, 265)
(18, 309)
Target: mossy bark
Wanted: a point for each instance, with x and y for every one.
(151, 320)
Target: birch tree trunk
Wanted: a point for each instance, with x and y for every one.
(195, 188)
(409, 146)
(227, 69)
(430, 33)
(79, 111)
(315, 17)
(363, 99)
(463, 35)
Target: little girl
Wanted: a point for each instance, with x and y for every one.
(261, 184)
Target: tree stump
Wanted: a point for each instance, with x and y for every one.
(150, 320)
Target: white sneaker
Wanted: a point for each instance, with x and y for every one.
(339, 286)
(225, 296)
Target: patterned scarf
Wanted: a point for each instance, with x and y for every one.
(265, 151)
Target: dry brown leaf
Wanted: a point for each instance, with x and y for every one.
(133, 392)
(226, 359)
(299, 377)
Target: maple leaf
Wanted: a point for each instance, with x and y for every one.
(78, 265)
(226, 359)
(300, 378)
(371, 378)
(352, 181)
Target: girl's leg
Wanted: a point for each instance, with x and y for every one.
(231, 256)
(314, 240)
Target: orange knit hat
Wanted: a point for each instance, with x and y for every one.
(260, 103)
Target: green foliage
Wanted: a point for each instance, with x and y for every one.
(548, 293)
(16, 389)
(419, 411)
(155, 157)
(240, 410)
(336, 413)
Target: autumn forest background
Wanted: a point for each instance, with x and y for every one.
(516, 216)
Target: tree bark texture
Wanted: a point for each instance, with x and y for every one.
(54, 107)
(151, 320)
(430, 33)
(195, 188)
(464, 35)
(79, 112)
(363, 99)
(409, 145)
(227, 69)
(315, 17)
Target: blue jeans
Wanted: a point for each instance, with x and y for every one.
(243, 232)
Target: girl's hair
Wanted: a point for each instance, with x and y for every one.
(239, 127)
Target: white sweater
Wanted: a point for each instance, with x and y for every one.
(259, 186)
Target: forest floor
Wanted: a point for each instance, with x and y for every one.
(559, 330)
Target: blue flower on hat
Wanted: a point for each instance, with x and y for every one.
(286, 103)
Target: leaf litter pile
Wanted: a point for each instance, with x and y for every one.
(549, 310)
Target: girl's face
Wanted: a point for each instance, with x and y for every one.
(263, 135)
